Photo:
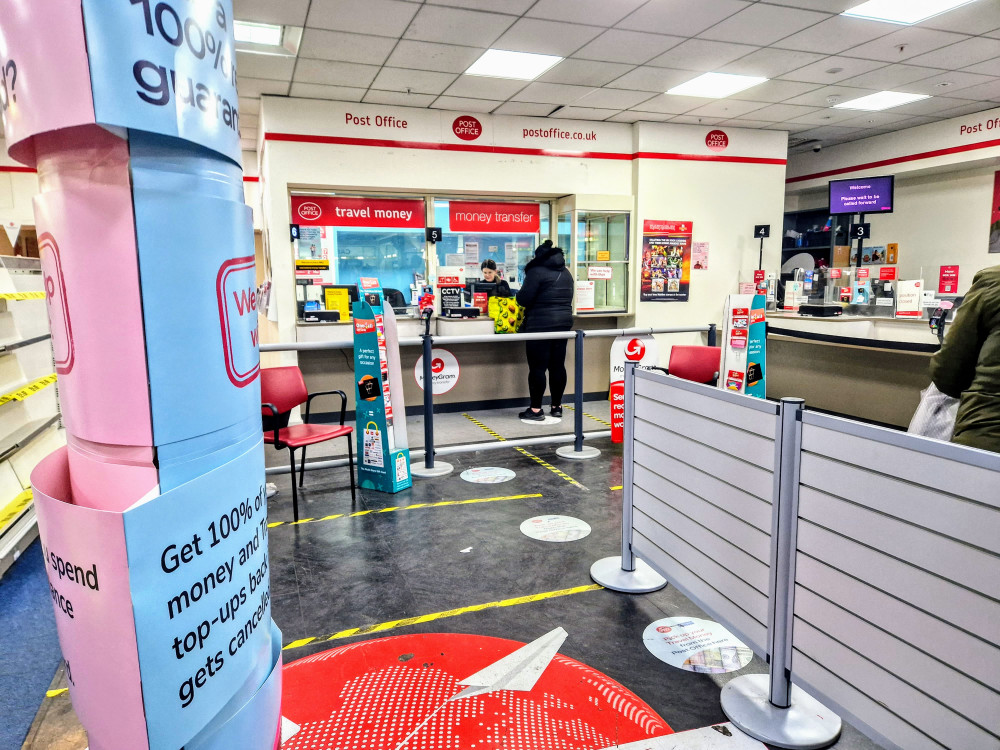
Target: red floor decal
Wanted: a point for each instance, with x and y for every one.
(395, 694)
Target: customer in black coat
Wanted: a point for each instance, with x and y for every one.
(547, 296)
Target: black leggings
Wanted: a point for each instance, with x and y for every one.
(542, 356)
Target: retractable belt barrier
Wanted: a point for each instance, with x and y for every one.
(427, 341)
(862, 563)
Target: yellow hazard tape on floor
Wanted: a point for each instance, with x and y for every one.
(22, 295)
(28, 390)
(596, 419)
(394, 509)
(13, 509)
(617, 487)
(558, 472)
(56, 692)
(392, 624)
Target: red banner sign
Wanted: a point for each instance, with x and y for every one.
(358, 212)
(948, 280)
(469, 216)
(887, 273)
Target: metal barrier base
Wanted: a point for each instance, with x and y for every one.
(608, 572)
(439, 469)
(584, 453)
(806, 723)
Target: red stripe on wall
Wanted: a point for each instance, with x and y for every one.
(17, 169)
(343, 141)
(899, 160)
(251, 179)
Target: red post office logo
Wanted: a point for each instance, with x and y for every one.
(717, 140)
(635, 350)
(467, 127)
(63, 349)
(310, 211)
(236, 289)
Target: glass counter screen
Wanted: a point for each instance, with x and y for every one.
(868, 195)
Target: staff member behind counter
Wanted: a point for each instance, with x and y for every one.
(490, 276)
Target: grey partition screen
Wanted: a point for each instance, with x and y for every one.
(702, 483)
(897, 584)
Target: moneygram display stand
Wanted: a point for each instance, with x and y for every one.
(744, 346)
(383, 453)
(153, 518)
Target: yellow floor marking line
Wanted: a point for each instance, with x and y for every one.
(13, 509)
(523, 452)
(414, 506)
(56, 692)
(596, 419)
(28, 390)
(615, 488)
(22, 295)
(392, 624)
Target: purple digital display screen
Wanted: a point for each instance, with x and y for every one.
(869, 195)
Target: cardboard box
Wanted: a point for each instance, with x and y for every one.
(841, 256)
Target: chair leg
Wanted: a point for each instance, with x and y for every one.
(302, 468)
(295, 491)
(350, 464)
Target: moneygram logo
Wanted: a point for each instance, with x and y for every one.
(635, 350)
(310, 211)
(437, 365)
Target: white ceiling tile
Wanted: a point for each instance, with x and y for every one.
(639, 117)
(460, 104)
(585, 72)
(818, 97)
(524, 109)
(890, 77)
(614, 99)
(646, 78)
(414, 81)
(846, 67)
(763, 24)
(248, 133)
(984, 91)
(253, 87)
(512, 7)
(972, 51)
(774, 91)
(249, 104)
(836, 35)
(968, 109)
(584, 113)
(597, 12)
(936, 105)
(480, 87)
(725, 108)
(554, 93)
(958, 79)
(546, 37)
(918, 120)
(473, 28)
(787, 127)
(619, 45)
(273, 67)
(974, 18)
(399, 98)
(445, 58)
(248, 145)
(249, 120)
(830, 133)
(680, 17)
(696, 120)
(989, 68)
(674, 105)
(321, 44)
(876, 119)
(746, 123)
(332, 73)
(771, 62)
(782, 112)
(701, 55)
(285, 13)
(826, 6)
(909, 44)
(825, 117)
(380, 17)
(333, 93)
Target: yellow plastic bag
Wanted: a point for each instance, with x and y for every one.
(509, 315)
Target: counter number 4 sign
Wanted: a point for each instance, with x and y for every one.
(762, 230)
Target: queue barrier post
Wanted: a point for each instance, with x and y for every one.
(626, 572)
(577, 451)
(712, 334)
(428, 467)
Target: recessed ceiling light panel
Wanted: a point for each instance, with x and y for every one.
(522, 66)
(903, 11)
(881, 100)
(266, 34)
(716, 85)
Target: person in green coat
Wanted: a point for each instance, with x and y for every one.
(967, 366)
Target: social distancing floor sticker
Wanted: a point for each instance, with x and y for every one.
(555, 528)
(696, 645)
(487, 475)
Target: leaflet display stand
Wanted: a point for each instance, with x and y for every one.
(384, 455)
(744, 347)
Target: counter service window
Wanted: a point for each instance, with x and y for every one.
(342, 239)
(602, 257)
(474, 231)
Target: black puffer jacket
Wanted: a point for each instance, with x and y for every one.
(547, 291)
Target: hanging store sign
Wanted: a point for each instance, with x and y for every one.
(358, 212)
(476, 216)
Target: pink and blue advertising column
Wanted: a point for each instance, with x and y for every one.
(153, 518)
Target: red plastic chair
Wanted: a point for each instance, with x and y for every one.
(697, 363)
(281, 390)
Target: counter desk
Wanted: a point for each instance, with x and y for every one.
(866, 367)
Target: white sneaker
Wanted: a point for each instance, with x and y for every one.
(272, 489)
